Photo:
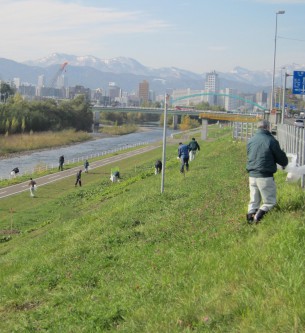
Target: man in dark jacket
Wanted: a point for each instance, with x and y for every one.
(263, 153)
(193, 147)
(61, 163)
(78, 178)
(183, 154)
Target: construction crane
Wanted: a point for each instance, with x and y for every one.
(58, 73)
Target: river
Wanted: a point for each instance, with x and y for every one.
(49, 157)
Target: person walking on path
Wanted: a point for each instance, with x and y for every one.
(263, 153)
(86, 166)
(183, 154)
(78, 178)
(193, 147)
(32, 185)
(61, 163)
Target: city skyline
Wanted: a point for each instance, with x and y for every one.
(198, 36)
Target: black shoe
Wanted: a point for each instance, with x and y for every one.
(250, 218)
(259, 215)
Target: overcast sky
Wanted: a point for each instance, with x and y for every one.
(196, 35)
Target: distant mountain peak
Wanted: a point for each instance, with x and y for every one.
(94, 72)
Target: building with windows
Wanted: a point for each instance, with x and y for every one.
(144, 91)
(17, 82)
(230, 103)
(41, 81)
(211, 86)
(114, 91)
(181, 100)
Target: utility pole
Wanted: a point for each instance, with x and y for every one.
(166, 99)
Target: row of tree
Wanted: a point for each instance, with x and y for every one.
(20, 116)
(120, 118)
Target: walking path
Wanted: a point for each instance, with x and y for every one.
(14, 189)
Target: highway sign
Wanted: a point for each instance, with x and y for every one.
(298, 86)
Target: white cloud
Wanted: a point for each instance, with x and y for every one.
(51, 25)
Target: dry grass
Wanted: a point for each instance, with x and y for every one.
(24, 142)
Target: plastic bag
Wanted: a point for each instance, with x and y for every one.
(294, 172)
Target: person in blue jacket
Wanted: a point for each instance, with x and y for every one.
(183, 154)
(263, 154)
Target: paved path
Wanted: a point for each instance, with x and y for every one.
(14, 189)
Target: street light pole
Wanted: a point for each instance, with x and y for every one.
(284, 97)
(166, 100)
(274, 57)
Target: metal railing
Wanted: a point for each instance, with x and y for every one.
(45, 167)
(292, 140)
(243, 131)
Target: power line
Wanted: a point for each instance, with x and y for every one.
(299, 40)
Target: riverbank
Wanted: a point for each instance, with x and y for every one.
(14, 145)
(43, 159)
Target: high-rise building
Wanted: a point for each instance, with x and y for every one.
(187, 97)
(41, 81)
(143, 91)
(230, 102)
(17, 82)
(114, 91)
(212, 86)
(261, 97)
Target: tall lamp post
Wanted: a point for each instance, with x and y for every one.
(274, 57)
(284, 97)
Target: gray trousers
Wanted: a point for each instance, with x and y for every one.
(262, 194)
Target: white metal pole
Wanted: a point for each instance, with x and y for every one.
(274, 57)
(164, 142)
(273, 73)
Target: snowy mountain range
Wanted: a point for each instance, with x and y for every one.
(93, 72)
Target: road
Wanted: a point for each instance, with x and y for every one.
(18, 188)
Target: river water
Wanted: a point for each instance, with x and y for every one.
(26, 163)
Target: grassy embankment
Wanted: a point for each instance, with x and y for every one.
(125, 258)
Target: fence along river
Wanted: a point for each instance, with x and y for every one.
(48, 158)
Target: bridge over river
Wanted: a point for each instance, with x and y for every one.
(216, 115)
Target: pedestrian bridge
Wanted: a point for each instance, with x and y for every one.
(181, 110)
(216, 115)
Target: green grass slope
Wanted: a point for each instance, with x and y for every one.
(125, 258)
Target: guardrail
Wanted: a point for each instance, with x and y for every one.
(243, 131)
(292, 140)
